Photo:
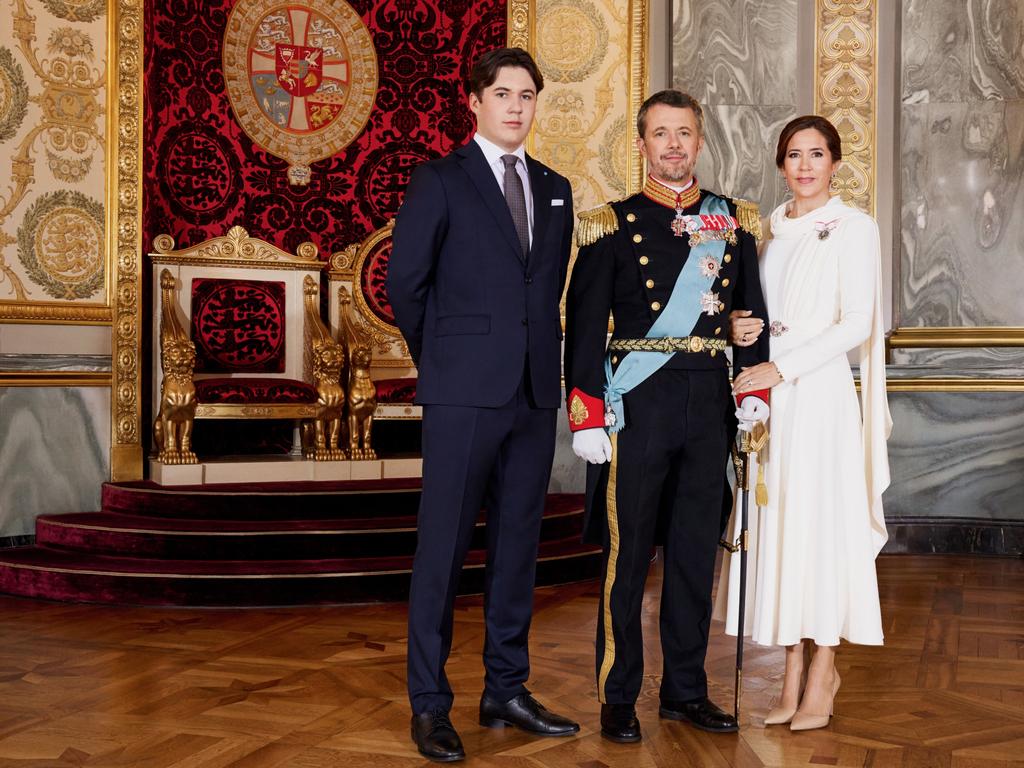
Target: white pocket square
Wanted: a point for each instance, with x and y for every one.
(558, 201)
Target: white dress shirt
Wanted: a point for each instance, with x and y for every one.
(677, 190)
(493, 154)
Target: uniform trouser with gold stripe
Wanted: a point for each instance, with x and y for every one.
(668, 461)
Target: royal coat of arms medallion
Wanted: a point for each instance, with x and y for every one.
(302, 78)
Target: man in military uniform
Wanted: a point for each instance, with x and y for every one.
(651, 412)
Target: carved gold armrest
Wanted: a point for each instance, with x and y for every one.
(321, 435)
(172, 429)
(362, 393)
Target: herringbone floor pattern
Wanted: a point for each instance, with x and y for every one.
(309, 688)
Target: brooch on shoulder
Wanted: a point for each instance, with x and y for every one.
(824, 228)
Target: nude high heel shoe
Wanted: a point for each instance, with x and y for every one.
(779, 715)
(806, 721)
(782, 715)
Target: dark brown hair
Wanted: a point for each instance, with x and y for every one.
(670, 98)
(818, 123)
(485, 69)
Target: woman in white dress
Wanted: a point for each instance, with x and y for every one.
(811, 577)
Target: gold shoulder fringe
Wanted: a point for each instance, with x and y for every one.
(595, 224)
(749, 217)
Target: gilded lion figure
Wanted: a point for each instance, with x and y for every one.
(172, 429)
(362, 402)
(321, 435)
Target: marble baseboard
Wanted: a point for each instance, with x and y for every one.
(925, 535)
(54, 455)
(90, 363)
(6, 542)
(568, 472)
(960, 361)
(956, 455)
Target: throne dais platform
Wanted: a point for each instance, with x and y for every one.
(270, 544)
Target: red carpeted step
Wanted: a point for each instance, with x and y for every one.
(106, 533)
(72, 576)
(266, 501)
(259, 544)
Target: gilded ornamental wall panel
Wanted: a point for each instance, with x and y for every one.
(593, 57)
(53, 91)
(846, 74)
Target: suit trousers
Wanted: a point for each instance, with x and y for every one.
(473, 458)
(666, 474)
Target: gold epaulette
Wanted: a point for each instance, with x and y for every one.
(595, 224)
(749, 217)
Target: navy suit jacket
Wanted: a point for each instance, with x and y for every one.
(470, 305)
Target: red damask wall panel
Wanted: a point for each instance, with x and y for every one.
(203, 174)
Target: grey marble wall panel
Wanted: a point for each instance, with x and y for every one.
(55, 363)
(735, 52)
(54, 452)
(962, 164)
(739, 59)
(971, 361)
(957, 455)
(568, 473)
(962, 228)
(935, 50)
(738, 159)
(996, 34)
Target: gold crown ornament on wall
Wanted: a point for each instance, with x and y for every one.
(301, 77)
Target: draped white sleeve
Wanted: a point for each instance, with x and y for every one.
(858, 322)
(858, 265)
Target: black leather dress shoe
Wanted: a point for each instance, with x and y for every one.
(526, 713)
(436, 738)
(619, 723)
(701, 713)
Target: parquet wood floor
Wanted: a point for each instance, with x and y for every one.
(314, 687)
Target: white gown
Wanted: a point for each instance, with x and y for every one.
(812, 548)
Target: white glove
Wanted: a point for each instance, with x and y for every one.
(751, 411)
(592, 445)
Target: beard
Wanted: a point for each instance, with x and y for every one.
(676, 172)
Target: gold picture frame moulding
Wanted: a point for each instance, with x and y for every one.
(55, 379)
(948, 336)
(124, 232)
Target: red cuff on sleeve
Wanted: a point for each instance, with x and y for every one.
(761, 393)
(585, 411)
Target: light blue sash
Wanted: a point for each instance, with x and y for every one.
(677, 319)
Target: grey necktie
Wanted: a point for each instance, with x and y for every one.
(516, 199)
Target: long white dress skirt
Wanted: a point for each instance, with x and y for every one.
(811, 560)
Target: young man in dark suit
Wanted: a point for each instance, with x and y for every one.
(479, 260)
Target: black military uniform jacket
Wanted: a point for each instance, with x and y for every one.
(628, 263)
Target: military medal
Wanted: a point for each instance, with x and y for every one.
(709, 303)
(709, 267)
(679, 224)
(680, 201)
(609, 417)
